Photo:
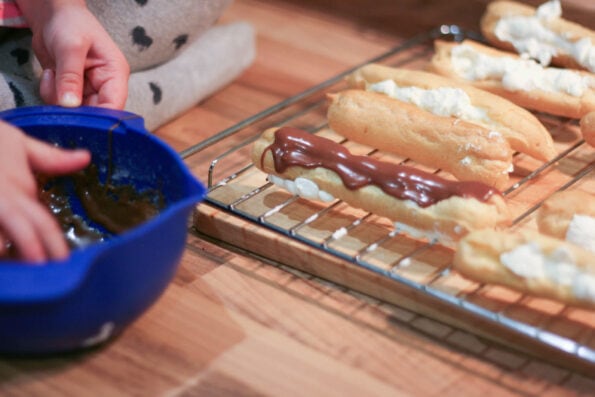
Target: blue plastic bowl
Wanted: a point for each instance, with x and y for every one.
(102, 288)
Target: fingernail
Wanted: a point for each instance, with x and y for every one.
(69, 100)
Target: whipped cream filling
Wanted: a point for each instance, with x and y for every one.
(531, 37)
(417, 233)
(302, 187)
(558, 267)
(518, 74)
(444, 101)
(429, 235)
(308, 189)
(581, 231)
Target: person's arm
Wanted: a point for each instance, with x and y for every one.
(81, 63)
(24, 221)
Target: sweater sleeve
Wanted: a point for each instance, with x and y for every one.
(11, 15)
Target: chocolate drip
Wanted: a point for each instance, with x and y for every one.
(294, 147)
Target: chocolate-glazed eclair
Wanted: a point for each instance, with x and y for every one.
(421, 204)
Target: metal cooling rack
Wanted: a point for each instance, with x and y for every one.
(231, 170)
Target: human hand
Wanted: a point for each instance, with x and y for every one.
(81, 64)
(24, 220)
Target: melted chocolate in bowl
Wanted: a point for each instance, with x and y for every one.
(109, 209)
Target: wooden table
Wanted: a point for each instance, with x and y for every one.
(233, 324)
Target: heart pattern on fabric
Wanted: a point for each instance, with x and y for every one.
(140, 38)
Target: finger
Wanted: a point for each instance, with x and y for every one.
(15, 172)
(4, 245)
(47, 86)
(113, 93)
(52, 160)
(91, 99)
(110, 81)
(41, 53)
(47, 230)
(70, 71)
(20, 231)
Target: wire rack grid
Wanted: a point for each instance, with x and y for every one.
(372, 243)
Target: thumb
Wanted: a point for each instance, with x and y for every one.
(69, 78)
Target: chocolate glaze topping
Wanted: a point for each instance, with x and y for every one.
(295, 147)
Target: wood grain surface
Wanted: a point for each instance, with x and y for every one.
(234, 324)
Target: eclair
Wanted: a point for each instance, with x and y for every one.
(587, 125)
(421, 204)
(560, 92)
(468, 151)
(523, 131)
(569, 215)
(529, 262)
(539, 33)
